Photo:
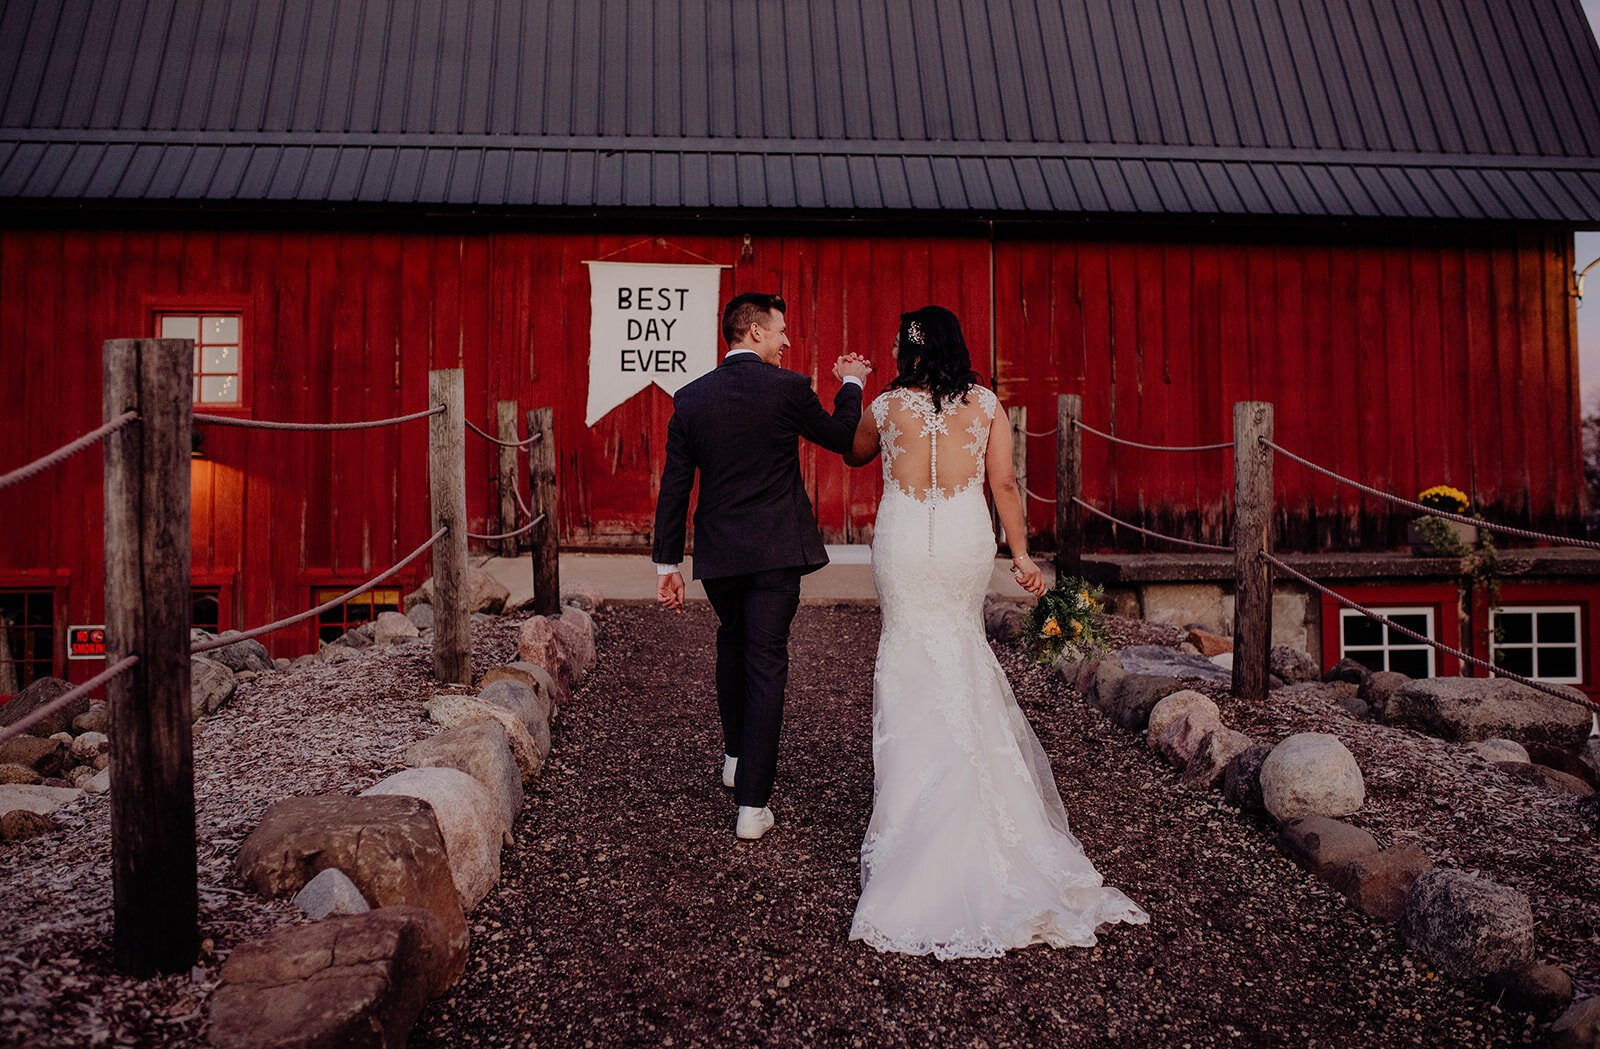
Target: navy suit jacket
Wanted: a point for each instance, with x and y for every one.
(740, 426)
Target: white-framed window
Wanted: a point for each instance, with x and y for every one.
(1539, 641)
(216, 352)
(1379, 647)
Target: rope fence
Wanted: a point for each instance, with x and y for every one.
(1080, 424)
(505, 444)
(268, 424)
(1521, 533)
(224, 642)
(509, 535)
(1570, 697)
(18, 727)
(66, 451)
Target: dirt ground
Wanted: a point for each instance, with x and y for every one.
(629, 915)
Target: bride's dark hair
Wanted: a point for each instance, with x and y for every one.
(932, 355)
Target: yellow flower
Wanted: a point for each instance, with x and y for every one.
(1077, 628)
(1084, 598)
(1052, 628)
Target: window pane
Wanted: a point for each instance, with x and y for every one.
(221, 389)
(1410, 662)
(222, 360)
(1359, 630)
(222, 329)
(1516, 660)
(1370, 660)
(204, 610)
(1516, 628)
(180, 327)
(1557, 662)
(1411, 621)
(1558, 628)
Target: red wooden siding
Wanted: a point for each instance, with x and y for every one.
(1406, 363)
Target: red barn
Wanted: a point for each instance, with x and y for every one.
(1361, 213)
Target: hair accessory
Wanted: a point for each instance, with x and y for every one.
(914, 332)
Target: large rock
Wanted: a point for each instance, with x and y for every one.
(421, 616)
(575, 628)
(331, 894)
(1241, 783)
(1578, 1027)
(1181, 740)
(211, 684)
(47, 757)
(22, 824)
(1548, 778)
(1169, 662)
(539, 644)
(389, 845)
(535, 677)
(472, 823)
(1466, 709)
(1137, 695)
(1171, 709)
(90, 745)
(1321, 845)
(97, 719)
(482, 751)
(455, 711)
(248, 654)
(357, 982)
(36, 798)
(11, 775)
(1467, 925)
(1292, 665)
(1540, 989)
(582, 595)
(1210, 763)
(1311, 774)
(1377, 884)
(391, 627)
(1378, 687)
(530, 705)
(1495, 751)
(1207, 643)
(39, 693)
(1589, 754)
(1108, 676)
(1348, 670)
(1562, 761)
(485, 593)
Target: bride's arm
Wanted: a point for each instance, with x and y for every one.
(1008, 504)
(865, 447)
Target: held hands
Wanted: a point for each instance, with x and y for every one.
(669, 591)
(1028, 575)
(851, 364)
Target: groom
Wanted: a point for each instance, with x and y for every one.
(755, 533)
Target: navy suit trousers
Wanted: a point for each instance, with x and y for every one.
(755, 611)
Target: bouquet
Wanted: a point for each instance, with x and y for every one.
(1068, 619)
(1443, 497)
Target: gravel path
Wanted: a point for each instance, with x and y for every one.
(629, 915)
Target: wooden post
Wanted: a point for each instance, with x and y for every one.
(545, 536)
(506, 416)
(155, 905)
(1018, 418)
(1069, 486)
(447, 484)
(1252, 536)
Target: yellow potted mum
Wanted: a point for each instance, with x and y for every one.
(1432, 536)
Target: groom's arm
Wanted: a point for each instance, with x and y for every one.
(672, 504)
(834, 431)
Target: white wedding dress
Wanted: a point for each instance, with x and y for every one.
(967, 853)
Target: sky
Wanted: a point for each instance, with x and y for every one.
(1588, 249)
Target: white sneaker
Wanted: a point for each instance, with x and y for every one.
(753, 822)
(730, 765)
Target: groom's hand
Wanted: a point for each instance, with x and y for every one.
(851, 364)
(669, 591)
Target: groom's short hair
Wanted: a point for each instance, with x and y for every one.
(746, 310)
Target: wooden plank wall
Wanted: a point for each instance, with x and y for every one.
(1435, 359)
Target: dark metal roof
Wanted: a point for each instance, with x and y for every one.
(1383, 108)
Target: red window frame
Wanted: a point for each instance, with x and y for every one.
(1443, 598)
(1583, 595)
(57, 589)
(321, 592)
(157, 306)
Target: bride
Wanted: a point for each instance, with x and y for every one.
(967, 853)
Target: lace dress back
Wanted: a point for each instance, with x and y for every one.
(968, 852)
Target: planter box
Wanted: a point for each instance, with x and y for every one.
(1420, 546)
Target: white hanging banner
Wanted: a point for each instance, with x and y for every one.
(649, 323)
